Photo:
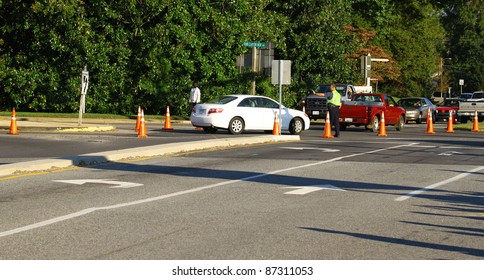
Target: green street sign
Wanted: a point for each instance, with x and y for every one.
(258, 45)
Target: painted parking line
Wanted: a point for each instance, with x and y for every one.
(436, 185)
(180, 193)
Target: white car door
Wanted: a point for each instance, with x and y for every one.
(248, 110)
(266, 109)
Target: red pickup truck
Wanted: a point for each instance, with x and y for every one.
(366, 109)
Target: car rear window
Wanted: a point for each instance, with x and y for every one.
(477, 95)
(224, 99)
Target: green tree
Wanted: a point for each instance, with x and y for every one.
(410, 31)
(464, 23)
(316, 41)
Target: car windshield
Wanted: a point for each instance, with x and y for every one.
(224, 99)
(410, 102)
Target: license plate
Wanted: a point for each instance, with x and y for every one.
(315, 112)
(348, 119)
(202, 111)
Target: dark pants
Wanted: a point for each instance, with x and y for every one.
(191, 106)
(334, 118)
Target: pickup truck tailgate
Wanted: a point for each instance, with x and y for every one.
(353, 113)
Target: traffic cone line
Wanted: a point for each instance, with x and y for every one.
(430, 123)
(168, 125)
(275, 128)
(138, 119)
(327, 127)
(383, 130)
(142, 126)
(13, 124)
(450, 123)
(475, 127)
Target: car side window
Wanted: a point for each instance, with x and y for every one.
(249, 102)
(266, 103)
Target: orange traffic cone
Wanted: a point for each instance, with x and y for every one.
(142, 126)
(275, 128)
(138, 119)
(475, 127)
(450, 123)
(430, 123)
(167, 120)
(327, 127)
(13, 124)
(383, 130)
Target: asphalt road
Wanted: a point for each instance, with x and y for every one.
(405, 196)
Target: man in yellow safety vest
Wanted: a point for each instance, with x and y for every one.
(334, 103)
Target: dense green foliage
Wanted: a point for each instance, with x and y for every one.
(149, 52)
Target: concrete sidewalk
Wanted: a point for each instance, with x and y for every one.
(101, 125)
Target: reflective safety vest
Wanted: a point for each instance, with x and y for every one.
(336, 100)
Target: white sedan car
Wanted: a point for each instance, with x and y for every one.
(238, 113)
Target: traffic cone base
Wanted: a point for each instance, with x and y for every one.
(13, 124)
(142, 126)
(275, 128)
(168, 125)
(450, 123)
(383, 130)
(475, 127)
(327, 127)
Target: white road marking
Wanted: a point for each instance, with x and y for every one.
(433, 186)
(302, 190)
(311, 148)
(117, 184)
(175, 194)
(449, 153)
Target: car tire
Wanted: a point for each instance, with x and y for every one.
(375, 124)
(296, 126)
(342, 126)
(236, 125)
(400, 124)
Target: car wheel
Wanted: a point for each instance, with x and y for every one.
(236, 125)
(296, 126)
(375, 124)
(210, 130)
(342, 126)
(400, 124)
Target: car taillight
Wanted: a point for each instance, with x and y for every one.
(215, 110)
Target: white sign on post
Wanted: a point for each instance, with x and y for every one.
(461, 82)
(84, 86)
(281, 75)
(286, 72)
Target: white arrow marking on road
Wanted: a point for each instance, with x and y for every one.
(449, 153)
(118, 184)
(309, 148)
(309, 189)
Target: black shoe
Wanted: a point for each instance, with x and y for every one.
(336, 135)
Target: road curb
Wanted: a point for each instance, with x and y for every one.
(139, 152)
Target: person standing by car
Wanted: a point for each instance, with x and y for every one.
(194, 96)
(334, 103)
